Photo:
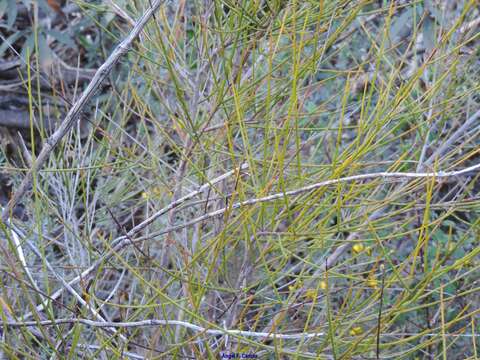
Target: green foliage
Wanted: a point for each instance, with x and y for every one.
(300, 92)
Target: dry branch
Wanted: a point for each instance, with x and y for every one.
(197, 328)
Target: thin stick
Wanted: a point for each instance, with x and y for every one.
(76, 109)
(154, 322)
(197, 328)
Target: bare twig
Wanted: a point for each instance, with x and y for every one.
(120, 12)
(197, 328)
(154, 322)
(76, 109)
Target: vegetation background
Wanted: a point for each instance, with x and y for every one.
(207, 199)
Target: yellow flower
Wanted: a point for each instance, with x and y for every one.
(358, 248)
(371, 282)
(311, 294)
(355, 331)
(144, 195)
(323, 285)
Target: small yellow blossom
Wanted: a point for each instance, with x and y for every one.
(311, 294)
(355, 331)
(373, 283)
(323, 285)
(358, 248)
